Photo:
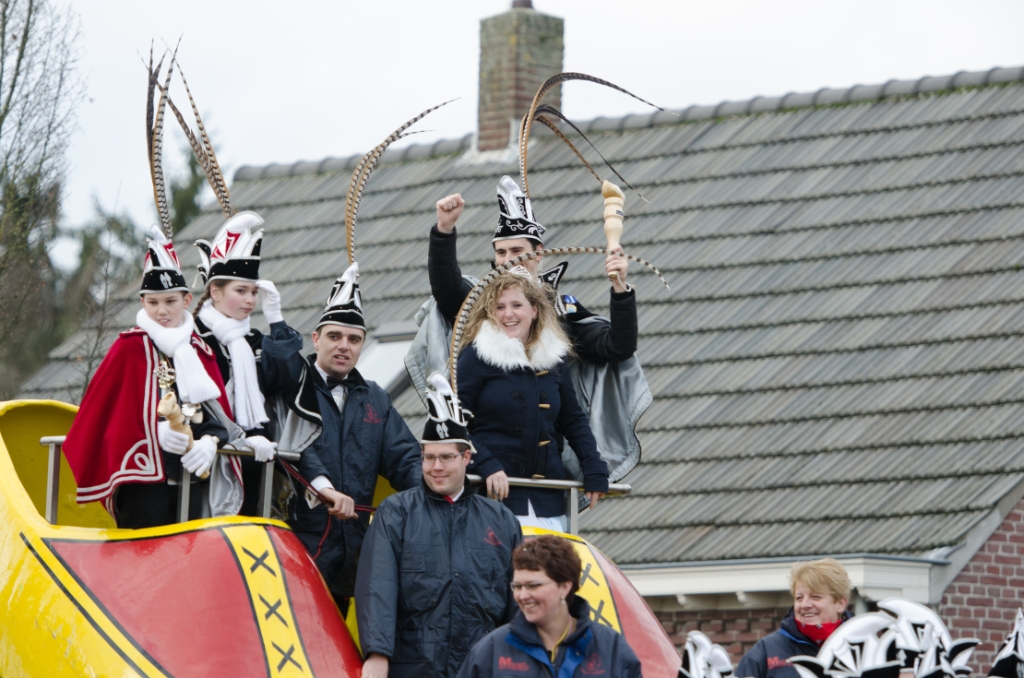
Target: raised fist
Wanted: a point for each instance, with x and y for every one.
(449, 210)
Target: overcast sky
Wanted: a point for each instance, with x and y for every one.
(307, 79)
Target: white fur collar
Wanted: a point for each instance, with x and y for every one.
(498, 350)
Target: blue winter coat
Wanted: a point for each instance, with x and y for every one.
(433, 579)
(517, 410)
(517, 650)
(769, 658)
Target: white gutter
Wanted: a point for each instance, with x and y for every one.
(764, 582)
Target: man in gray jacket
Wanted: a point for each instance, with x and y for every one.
(436, 564)
(347, 430)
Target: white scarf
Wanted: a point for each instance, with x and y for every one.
(498, 349)
(194, 384)
(248, 403)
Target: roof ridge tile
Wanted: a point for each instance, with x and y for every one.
(758, 104)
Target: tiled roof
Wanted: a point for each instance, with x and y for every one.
(840, 368)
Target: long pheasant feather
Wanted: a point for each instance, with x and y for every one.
(549, 84)
(156, 148)
(543, 110)
(558, 133)
(150, 106)
(361, 175)
(197, 147)
(216, 177)
(474, 294)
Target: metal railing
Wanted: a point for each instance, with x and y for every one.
(570, 487)
(55, 444)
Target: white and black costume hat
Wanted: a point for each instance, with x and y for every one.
(235, 253)
(446, 419)
(162, 271)
(515, 215)
(345, 303)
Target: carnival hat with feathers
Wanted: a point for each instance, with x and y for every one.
(446, 419)
(516, 218)
(345, 303)
(234, 253)
(161, 271)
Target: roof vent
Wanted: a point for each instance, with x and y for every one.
(519, 50)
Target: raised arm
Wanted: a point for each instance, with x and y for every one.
(447, 285)
(281, 362)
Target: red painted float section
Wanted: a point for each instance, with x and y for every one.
(184, 603)
(640, 626)
(325, 637)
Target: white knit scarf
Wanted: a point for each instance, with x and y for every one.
(194, 384)
(248, 402)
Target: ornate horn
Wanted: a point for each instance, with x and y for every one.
(549, 84)
(487, 280)
(362, 174)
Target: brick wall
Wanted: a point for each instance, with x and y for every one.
(519, 50)
(983, 600)
(735, 630)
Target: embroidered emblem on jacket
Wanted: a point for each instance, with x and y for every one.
(492, 538)
(593, 666)
(507, 664)
(776, 663)
(371, 415)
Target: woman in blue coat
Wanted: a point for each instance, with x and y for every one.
(513, 375)
(552, 635)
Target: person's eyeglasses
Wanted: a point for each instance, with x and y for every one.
(529, 586)
(445, 458)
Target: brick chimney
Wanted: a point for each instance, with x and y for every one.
(519, 50)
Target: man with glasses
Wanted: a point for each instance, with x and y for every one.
(436, 565)
(347, 430)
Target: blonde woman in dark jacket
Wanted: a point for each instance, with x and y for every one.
(513, 374)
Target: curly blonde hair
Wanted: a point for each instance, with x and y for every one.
(487, 302)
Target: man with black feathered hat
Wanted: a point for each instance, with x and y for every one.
(517, 232)
(347, 430)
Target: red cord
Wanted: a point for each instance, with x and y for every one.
(293, 472)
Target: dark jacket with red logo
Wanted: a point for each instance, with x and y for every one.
(769, 658)
(517, 650)
(369, 438)
(433, 579)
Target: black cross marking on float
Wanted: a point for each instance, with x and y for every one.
(259, 561)
(286, 657)
(586, 575)
(272, 610)
(600, 618)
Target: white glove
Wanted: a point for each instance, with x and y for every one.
(271, 302)
(169, 439)
(200, 458)
(263, 448)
